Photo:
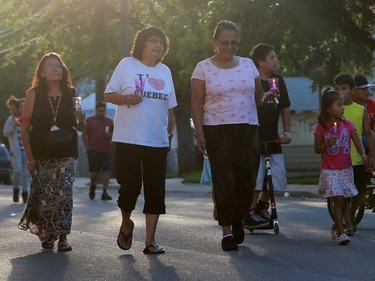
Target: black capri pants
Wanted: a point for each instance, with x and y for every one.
(233, 152)
(137, 164)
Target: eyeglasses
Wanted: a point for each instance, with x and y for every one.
(229, 43)
(155, 41)
(53, 67)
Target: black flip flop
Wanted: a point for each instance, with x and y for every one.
(153, 249)
(128, 238)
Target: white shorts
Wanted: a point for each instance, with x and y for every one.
(278, 172)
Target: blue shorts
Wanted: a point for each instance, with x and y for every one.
(99, 161)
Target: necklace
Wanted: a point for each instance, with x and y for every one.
(54, 111)
(55, 98)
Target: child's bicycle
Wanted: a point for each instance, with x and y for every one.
(274, 223)
(367, 203)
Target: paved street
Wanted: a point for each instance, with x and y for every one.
(302, 251)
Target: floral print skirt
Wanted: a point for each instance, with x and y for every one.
(48, 212)
(337, 183)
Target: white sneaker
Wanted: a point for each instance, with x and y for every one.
(343, 239)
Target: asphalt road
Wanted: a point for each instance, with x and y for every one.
(302, 250)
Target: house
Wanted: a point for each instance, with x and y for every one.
(299, 155)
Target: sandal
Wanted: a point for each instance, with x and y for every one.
(153, 249)
(127, 238)
(63, 246)
(48, 244)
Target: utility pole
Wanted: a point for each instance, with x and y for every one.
(124, 28)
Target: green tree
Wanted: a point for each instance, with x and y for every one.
(335, 34)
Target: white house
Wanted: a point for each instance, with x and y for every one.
(299, 155)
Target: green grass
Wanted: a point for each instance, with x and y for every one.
(303, 180)
(195, 177)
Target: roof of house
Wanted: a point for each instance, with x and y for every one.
(301, 94)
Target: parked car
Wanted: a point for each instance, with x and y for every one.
(5, 165)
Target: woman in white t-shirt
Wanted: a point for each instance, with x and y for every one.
(142, 88)
(225, 91)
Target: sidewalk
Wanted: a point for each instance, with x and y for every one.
(176, 185)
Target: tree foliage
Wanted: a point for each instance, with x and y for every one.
(328, 36)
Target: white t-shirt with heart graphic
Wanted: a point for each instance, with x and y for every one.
(145, 123)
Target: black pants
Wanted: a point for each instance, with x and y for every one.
(359, 172)
(136, 164)
(233, 152)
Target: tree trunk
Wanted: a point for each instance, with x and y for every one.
(99, 89)
(188, 158)
(124, 28)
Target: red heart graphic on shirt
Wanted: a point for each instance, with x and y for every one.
(157, 84)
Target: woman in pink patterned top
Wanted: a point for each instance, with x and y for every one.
(332, 139)
(225, 91)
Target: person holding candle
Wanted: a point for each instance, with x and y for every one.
(49, 108)
(97, 140)
(142, 88)
(332, 135)
(344, 84)
(225, 91)
(269, 112)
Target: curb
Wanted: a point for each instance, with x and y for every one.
(177, 185)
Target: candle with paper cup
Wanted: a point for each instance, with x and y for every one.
(274, 86)
(274, 83)
(77, 102)
(335, 129)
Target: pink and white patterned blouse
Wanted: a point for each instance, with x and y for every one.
(230, 97)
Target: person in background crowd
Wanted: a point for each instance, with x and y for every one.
(12, 130)
(142, 88)
(344, 84)
(49, 108)
(361, 96)
(97, 139)
(265, 60)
